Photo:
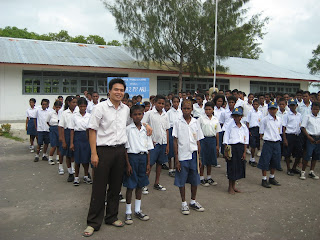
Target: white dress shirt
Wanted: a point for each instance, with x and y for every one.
(209, 127)
(271, 128)
(110, 123)
(239, 103)
(218, 112)
(53, 118)
(187, 135)
(42, 116)
(138, 141)
(254, 118)
(174, 115)
(91, 106)
(66, 117)
(264, 109)
(226, 118)
(32, 112)
(79, 122)
(312, 124)
(292, 122)
(197, 110)
(159, 124)
(235, 134)
(281, 114)
(304, 110)
(247, 107)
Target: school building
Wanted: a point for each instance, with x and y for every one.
(45, 69)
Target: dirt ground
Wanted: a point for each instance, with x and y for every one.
(37, 203)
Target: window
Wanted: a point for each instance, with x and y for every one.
(64, 83)
(264, 87)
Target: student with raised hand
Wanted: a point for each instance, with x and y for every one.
(30, 123)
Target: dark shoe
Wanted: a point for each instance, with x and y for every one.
(141, 216)
(253, 164)
(121, 199)
(159, 187)
(172, 174)
(211, 182)
(204, 183)
(164, 167)
(36, 159)
(45, 158)
(128, 219)
(290, 173)
(295, 171)
(265, 184)
(70, 178)
(280, 169)
(273, 181)
(196, 206)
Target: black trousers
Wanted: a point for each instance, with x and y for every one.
(110, 171)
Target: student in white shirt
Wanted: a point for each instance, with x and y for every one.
(30, 123)
(53, 121)
(270, 129)
(253, 123)
(226, 117)
(210, 127)
(42, 129)
(187, 134)
(79, 141)
(263, 107)
(198, 108)
(157, 118)
(137, 163)
(236, 135)
(311, 128)
(247, 107)
(219, 101)
(94, 102)
(173, 115)
(64, 136)
(291, 123)
(305, 107)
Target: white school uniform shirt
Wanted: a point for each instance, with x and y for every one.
(159, 124)
(197, 110)
(174, 115)
(218, 112)
(53, 118)
(235, 134)
(188, 135)
(66, 117)
(91, 106)
(312, 124)
(254, 118)
(304, 110)
(239, 103)
(79, 122)
(31, 112)
(299, 102)
(42, 116)
(264, 109)
(110, 123)
(271, 128)
(138, 141)
(292, 122)
(281, 114)
(209, 127)
(247, 107)
(226, 118)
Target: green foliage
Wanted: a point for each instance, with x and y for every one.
(62, 36)
(5, 128)
(314, 62)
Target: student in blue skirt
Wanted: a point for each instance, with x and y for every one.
(79, 141)
(210, 127)
(64, 136)
(236, 136)
(187, 135)
(52, 121)
(137, 163)
(30, 123)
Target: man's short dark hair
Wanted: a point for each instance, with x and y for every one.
(159, 97)
(117, 80)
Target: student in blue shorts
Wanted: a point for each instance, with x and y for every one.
(270, 129)
(187, 135)
(138, 163)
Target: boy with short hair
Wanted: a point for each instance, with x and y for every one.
(270, 129)
(291, 141)
(187, 134)
(263, 107)
(310, 127)
(159, 122)
(138, 163)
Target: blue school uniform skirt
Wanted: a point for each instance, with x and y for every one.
(138, 177)
(54, 136)
(171, 152)
(66, 152)
(236, 167)
(82, 151)
(209, 151)
(31, 128)
(189, 172)
(254, 139)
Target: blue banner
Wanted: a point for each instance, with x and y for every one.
(135, 86)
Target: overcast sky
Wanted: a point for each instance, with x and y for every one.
(293, 30)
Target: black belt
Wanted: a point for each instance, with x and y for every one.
(115, 146)
(314, 136)
(142, 153)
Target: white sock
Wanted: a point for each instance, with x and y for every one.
(184, 204)
(128, 209)
(43, 155)
(201, 178)
(209, 177)
(50, 157)
(311, 171)
(70, 170)
(76, 178)
(57, 157)
(264, 177)
(37, 155)
(192, 201)
(271, 176)
(170, 170)
(252, 160)
(72, 165)
(137, 206)
(60, 166)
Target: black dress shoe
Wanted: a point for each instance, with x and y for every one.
(265, 184)
(280, 169)
(295, 171)
(70, 178)
(164, 167)
(273, 181)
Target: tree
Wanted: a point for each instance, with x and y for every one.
(114, 43)
(79, 39)
(180, 33)
(314, 62)
(95, 39)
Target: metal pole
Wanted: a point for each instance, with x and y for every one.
(215, 46)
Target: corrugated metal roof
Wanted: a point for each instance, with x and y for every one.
(28, 51)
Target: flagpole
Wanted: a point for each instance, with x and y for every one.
(215, 46)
